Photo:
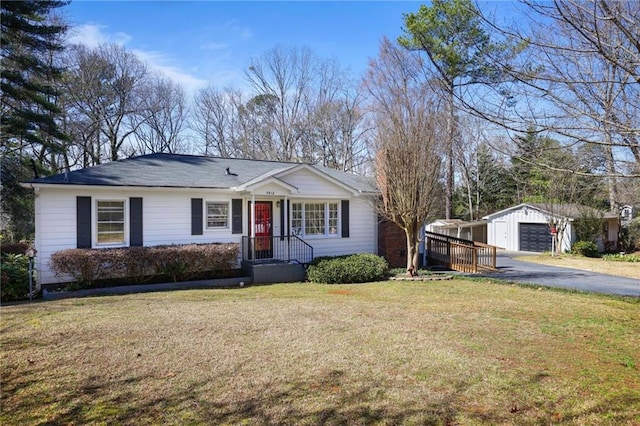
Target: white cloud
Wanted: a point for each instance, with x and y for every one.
(92, 35)
(161, 63)
(215, 46)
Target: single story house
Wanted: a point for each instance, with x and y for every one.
(160, 199)
(526, 227)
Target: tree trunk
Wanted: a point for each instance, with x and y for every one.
(411, 232)
(451, 131)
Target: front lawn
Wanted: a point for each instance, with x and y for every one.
(601, 265)
(443, 352)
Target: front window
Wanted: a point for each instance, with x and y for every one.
(333, 218)
(217, 215)
(314, 219)
(110, 222)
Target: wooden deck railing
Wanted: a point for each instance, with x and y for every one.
(458, 254)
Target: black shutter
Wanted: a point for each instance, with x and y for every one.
(282, 230)
(135, 222)
(345, 218)
(236, 216)
(83, 222)
(196, 216)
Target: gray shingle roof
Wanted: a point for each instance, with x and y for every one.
(188, 171)
(574, 211)
(571, 211)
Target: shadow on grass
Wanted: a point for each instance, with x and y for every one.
(325, 399)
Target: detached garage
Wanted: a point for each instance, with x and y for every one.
(525, 227)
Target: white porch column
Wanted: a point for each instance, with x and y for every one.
(253, 216)
(286, 217)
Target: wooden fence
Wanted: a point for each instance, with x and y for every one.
(458, 254)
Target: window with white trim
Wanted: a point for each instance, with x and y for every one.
(217, 215)
(315, 219)
(110, 229)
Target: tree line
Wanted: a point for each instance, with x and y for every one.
(484, 114)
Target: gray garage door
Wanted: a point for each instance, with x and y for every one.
(535, 237)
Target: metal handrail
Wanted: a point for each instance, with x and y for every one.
(288, 248)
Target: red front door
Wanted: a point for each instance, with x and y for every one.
(263, 229)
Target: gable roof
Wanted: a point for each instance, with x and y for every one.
(191, 171)
(569, 211)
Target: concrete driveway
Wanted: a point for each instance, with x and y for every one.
(533, 273)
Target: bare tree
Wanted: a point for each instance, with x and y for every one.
(300, 108)
(87, 99)
(335, 130)
(161, 118)
(281, 79)
(217, 120)
(407, 149)
(105, 88)
(578, 82)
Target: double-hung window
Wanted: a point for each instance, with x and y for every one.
(110, 225)
(314, 219)
(217, 215)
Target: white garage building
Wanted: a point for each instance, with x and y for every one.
(526, 227)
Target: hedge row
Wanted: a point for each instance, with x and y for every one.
(137, 264)
(355, 268)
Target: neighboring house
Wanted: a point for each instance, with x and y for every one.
(526, 227)
(161, 199)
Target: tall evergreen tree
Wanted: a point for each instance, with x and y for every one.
(462, 53)
(28, 112)
(539, 171)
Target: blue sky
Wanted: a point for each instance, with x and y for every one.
(212, 41)
(201, 42)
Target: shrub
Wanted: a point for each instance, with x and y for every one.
(137, 264)
(585, 248)
(186, 262)
(14, 248)
(14, 271)
(355, 268)
(630, 235)
(84, 265)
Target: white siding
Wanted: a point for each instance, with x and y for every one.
(167, 218)
(504, 230)
(55, 222)
(311, 184)
(363, 237)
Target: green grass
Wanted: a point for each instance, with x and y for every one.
(442, 352)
